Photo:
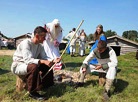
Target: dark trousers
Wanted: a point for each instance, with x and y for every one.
(34, 72)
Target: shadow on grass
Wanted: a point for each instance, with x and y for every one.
(58, 90)
(118, 70)
(120, 86)
(92, 82)
(73, 64)
(2, 71)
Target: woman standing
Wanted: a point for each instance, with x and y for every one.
(83, 39)
(98, 35)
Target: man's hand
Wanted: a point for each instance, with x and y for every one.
(83, 70)
(98, 67)
(46, 62)
(50, 63)
(57, 60)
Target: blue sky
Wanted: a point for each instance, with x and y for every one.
(19, 17)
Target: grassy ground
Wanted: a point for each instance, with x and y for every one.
(125, 90)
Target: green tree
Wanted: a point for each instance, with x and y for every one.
(90, 37)
(125, 34)
(131, 35)
(109, 33)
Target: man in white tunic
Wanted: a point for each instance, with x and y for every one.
(72, 45)
(107, 64)
(30, 59)
(53, 39)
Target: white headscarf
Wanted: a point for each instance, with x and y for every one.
(55, 32)
(56, 22)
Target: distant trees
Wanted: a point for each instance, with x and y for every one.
(90, 37)
(109, 33)
(131, 35)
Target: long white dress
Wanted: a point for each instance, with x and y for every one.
(51, 50)
(82, 45)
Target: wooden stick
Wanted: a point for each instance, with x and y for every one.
(65, 48)
(61, 54)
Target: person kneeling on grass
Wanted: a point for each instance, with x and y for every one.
(107, 59)
(30, 59)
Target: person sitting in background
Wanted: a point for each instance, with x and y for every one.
(30, 59)
(107, 62)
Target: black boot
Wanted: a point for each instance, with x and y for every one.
(79, 84)
(36, 95)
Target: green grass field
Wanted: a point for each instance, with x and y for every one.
(125, 90)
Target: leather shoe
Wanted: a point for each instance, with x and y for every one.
(36, 96)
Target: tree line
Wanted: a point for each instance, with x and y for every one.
(131, 35)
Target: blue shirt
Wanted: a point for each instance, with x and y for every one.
(102, 37)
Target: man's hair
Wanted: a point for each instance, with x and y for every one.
(39, 30)
(102, 44)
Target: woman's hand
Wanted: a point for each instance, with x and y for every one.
(56, 43)
(48, 29)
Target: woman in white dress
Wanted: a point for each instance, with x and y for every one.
(52, 41)
(83, 39)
